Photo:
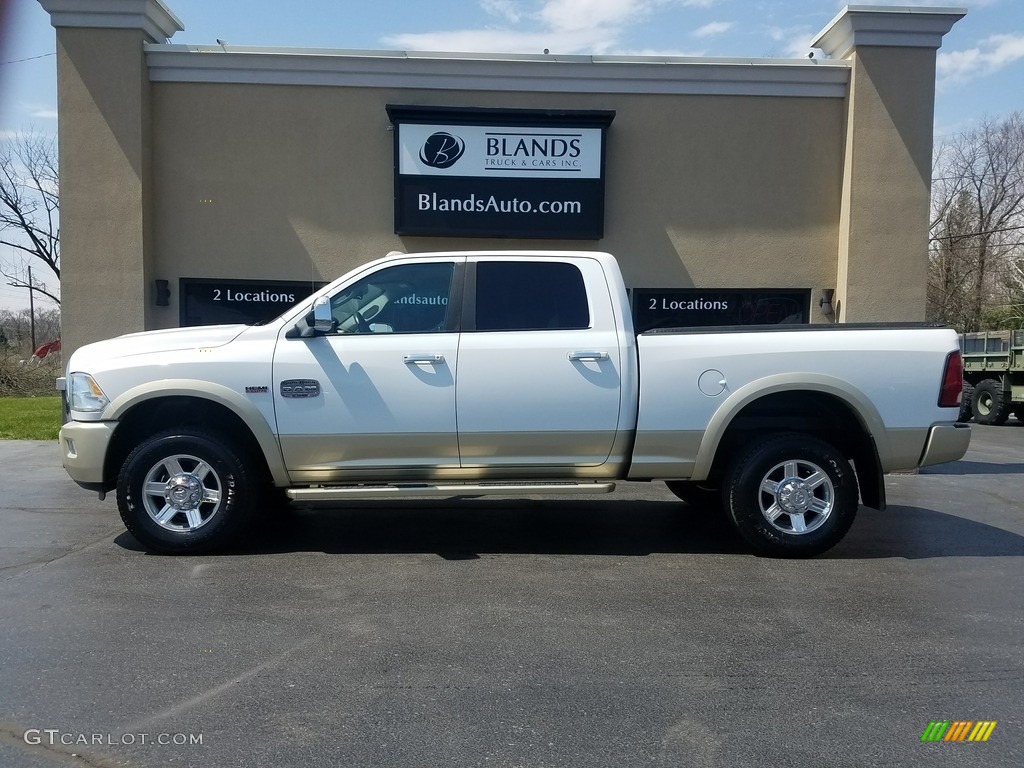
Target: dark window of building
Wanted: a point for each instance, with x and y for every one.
(530, 296)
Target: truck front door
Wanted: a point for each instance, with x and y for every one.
(377, 394)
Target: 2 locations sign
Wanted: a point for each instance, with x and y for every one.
(207, 301)
(499, 173)
(689, 307)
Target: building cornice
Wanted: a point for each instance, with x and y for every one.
(497, 72)
(151, 16)
(909, 26)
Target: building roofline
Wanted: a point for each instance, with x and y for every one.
(151, 16)
(888, 26)
(497, 72)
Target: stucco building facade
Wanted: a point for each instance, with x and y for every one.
(182, 164)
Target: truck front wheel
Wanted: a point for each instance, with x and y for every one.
(791, 495)
(183, 491)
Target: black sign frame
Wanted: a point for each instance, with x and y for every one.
(655, 308)
(590, 193)
(243, 300)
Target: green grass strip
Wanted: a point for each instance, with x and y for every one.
(29, 418)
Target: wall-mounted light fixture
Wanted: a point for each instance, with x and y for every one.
(162, 297)
(826, 302)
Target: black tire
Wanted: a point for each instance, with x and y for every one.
(989, 404)
(824, 509)
(695, 494)
(184, 492)
(966, 410)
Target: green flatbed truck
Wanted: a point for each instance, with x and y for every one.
(993, 376)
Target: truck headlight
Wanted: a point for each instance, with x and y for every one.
(84, 394)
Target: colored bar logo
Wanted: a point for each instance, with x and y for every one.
(958, 730)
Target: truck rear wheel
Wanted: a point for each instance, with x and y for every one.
(184, 491)
(791, 495)
(989, 404)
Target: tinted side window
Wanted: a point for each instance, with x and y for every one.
(530, 296)
(411, 298)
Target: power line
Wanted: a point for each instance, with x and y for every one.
(1016, 244)
(975, 234)
(30, 58)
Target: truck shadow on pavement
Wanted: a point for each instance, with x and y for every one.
(467, 529)
(917, 533)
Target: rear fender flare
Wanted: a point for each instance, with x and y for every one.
(859, 403)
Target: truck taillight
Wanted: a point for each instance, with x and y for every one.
(952, 381)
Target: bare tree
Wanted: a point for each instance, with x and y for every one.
(15, 328)
(978, 222)
(29, 209)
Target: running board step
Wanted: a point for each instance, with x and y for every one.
(408, 490)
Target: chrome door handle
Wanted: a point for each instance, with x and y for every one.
(423, 359)
(588, 356)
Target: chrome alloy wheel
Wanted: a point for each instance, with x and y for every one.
(182, 493)
(796, 497)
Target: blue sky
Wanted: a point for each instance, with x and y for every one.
(980, 66)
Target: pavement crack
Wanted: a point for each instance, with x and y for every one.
(217, 690)
(33, 565)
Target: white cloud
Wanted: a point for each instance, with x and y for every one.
(588, 14)
(995, 53)
(661, 53)
(795, 42)
(714, 28)
(504, 9)
(563, 26)
(39, 111)
(579, 14)
(504, 41)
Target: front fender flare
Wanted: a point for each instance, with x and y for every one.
(217, 393)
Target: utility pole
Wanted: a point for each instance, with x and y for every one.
(32, 309)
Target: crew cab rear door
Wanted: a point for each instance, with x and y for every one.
(539, 369)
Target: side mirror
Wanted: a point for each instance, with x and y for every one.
(323, 322)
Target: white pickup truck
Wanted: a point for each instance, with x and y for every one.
(512, 373)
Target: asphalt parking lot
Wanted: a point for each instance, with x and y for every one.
(613, 631)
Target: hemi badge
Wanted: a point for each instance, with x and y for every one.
(256, 390)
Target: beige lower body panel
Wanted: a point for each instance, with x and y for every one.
(84, 447)
(666, 455)
(317, 459)
(483, 450)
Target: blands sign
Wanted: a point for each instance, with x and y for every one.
(499, 173)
